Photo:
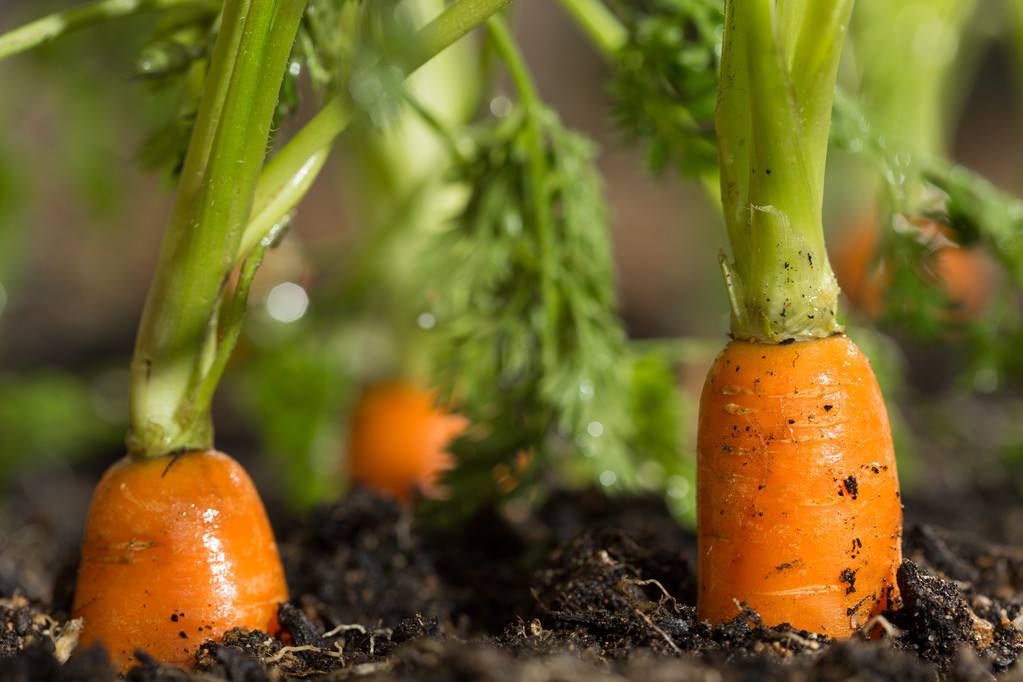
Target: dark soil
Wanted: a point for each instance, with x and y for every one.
(586, 588)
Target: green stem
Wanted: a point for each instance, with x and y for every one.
(779, 64)
(179, 336)
(289, 174)
(601, 25)
(58, 24)
(450, 26)
(911, 101)
(536, 178)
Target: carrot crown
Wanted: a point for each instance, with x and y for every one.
(778, 70)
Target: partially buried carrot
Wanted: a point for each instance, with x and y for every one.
(177, 547)
(798, 494)
(177, 550)
(398, 440)
(799, 512)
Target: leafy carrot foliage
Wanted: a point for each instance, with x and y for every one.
(664, 86)
(544, 393)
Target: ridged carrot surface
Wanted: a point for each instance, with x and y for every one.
(177, 550)
(798, 498)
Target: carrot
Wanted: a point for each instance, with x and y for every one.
(965, 274)
(398, 439)
(798, 495)
(859, 274)
(798, 508)
(177, 546)
(177, 550)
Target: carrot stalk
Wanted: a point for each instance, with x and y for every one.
(179, 336)
(799, 515)
(774, 111)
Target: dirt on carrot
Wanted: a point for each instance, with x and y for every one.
(585, 588)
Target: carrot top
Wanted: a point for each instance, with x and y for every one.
(778, 70)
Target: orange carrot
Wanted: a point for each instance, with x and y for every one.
(177, 550)
(861, 277)
(799, 508)
(399, 438)
(965, 273)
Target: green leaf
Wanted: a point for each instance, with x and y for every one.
(538, 398)
(664, 86)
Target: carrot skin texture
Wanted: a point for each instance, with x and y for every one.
(798, 500)
(177, 550)
(399, 438)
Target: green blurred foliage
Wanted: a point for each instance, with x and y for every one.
(295, 390)
(662, 442)
(52, 416)
(664, 89)
(525, 386)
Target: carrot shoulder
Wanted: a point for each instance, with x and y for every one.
(799, 508)
(177, 550)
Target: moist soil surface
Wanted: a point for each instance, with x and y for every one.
(584, 587)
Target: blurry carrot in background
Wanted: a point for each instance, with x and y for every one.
(915, 105)
(399, 439)
(798, 501)
(964, 274)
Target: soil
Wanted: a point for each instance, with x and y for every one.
(584, 588)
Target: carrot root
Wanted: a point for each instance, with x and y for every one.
(799, 507)
(177, 550)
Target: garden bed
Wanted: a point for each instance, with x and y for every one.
(585, 588)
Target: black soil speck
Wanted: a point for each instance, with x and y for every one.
(848, 576)
(852, 486)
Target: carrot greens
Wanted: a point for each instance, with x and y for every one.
(664, 88)
(526, 330)
(773, 115)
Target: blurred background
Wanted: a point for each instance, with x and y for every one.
(81, 216)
